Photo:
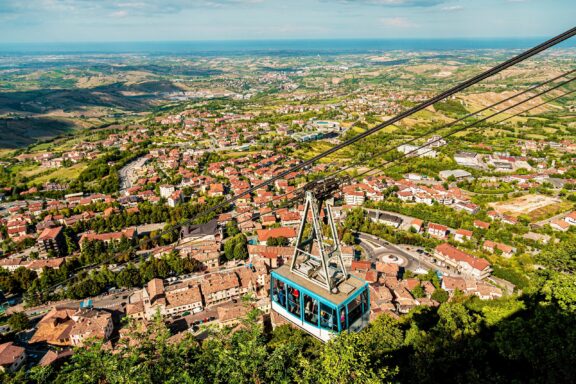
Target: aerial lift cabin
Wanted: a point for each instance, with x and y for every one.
(315, 292)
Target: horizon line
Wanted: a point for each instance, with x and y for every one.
(276, 39)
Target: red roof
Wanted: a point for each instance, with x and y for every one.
(481, 224)
(50, 233)
(265, 234)
(455, 254)
(9, 353)
(361, 265)
(437, 227)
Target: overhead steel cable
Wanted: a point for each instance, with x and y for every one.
(471, 125)
(433, 131)
(453, 132)
(407, 155)
(398, 159)
(538, 105)
(458, 88)
(280, 197)
(509, 63)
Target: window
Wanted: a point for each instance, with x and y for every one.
(311, 310)
(365, 303)
(293, 296)
(279, 292)
(355, 309)
(328, 318)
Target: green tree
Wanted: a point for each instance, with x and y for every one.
(277, 241)
(418, 292)
(348, 238)
(129, 277)
(19, 321)
(440, 295)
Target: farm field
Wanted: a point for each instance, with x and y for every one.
(535, 206)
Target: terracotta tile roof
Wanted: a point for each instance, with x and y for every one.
(50, 233)
(46, 263)
(481, 224)
(9, 353)
(361, 265)
(54, 328)
(265, 234)
(270, 252)
(437, 227)
(53, 356)
(91, 324)
(219, 282)
(455, 254)
(464, 232)
(232, 312)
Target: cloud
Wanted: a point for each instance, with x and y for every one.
(397, 22)
(452, 8)
(117, 8)
(393, 3)
(120, 13)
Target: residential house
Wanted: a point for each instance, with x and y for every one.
(560, 225)
(385, 218)
(491, 246)
(571, 218)
(462, 262)
(265, 234)
(462, 235)
(417, 225)
(481, 224)
(220, 287)
(69, 326)
(437, 230)
(51, 240)
(11, 357)
(273, 257)
(129, 233)
(166, 301)
(175, 199)
(90, 324)
(166, 191)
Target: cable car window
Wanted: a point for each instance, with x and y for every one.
(354, 309)
(328, 318)
(311, 310)
(279, 293)
(293, 301)
(365, 304)
(343, 323)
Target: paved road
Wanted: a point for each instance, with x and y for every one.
(112, 301)
(378, 248)
(126, 172)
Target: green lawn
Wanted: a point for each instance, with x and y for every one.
(68, 173)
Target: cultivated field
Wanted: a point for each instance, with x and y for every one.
(535, 206)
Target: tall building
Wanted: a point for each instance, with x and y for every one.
(52, 239)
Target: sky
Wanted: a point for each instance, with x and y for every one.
(188, 20)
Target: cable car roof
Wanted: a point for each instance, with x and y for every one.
(346, 289)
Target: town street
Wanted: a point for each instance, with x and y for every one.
(126, 173)
(381, 250)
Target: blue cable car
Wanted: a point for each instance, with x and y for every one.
(315, 292)
(322, 314)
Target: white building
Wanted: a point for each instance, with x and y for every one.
(166, 191)
(467, 159)
(414, 150)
